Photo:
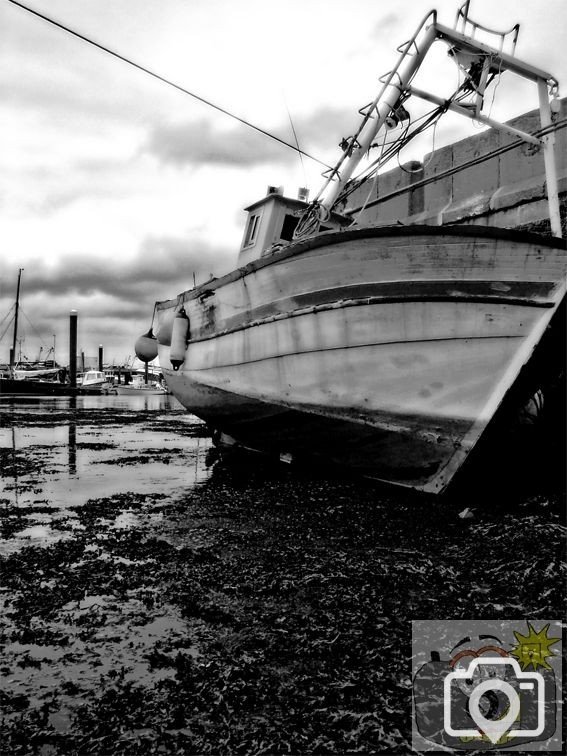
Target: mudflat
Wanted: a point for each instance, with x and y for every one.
(159, 599)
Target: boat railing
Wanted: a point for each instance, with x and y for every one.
(481, 64)
(470, 27)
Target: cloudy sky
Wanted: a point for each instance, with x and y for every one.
(115, 188)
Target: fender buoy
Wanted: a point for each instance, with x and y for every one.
(179, 339)
(146, 347)
(164, 330)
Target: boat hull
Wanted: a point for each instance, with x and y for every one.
(387, 350)
(125, 390)
(34, 388)
(97, 388)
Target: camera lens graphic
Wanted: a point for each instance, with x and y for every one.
(486, 719)
(491, 705)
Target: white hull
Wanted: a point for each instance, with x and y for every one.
(96, 388)
(387, 349)
(128, 390)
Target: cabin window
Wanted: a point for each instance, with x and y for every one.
(252, 230)
(288, 227)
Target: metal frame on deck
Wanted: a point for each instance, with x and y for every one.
(469, 54)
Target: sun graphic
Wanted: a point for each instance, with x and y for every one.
(534, 648)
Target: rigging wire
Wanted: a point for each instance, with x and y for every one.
(422, 166)
(496, 76)
(37, 333)
(296, 139)
(5, 331)
(170, 83)
(372, 186)
(395, 145)
(13, 307)
(393, 150)
(430, 118)
(11, 312)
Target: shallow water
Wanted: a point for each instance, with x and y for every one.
(68, 458)
(126, 457)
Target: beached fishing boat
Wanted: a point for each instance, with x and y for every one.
(387, 348)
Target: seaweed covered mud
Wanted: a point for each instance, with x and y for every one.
(157, 599)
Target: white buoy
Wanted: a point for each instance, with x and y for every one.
(179, 338)
(164, 330)
(146, 347)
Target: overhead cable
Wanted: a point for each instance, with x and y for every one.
(165, 81)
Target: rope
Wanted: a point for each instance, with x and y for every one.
(153, 317)
(432, 116)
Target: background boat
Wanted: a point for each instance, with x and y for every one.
(32, 378)
(95, 382)
(139, 387)
(34, 386)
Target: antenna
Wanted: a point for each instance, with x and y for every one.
(296, 139)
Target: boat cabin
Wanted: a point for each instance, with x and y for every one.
(271, 220)
(93, 377)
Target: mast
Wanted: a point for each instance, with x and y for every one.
(13, 350)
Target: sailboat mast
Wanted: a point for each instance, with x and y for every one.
(13, 350)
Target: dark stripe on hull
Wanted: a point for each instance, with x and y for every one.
(526, 293)
(402, 449)
(329, 238)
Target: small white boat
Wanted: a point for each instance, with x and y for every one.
(138, 387)
(95, 382)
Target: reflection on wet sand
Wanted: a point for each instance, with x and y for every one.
(72, 448)
(64, 451)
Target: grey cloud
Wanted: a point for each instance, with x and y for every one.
(65, 96)
(46, 314)
(200, 143)
(163, 267)
(114, 298)
(55, 76)
(384, 27)
(327, 126)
